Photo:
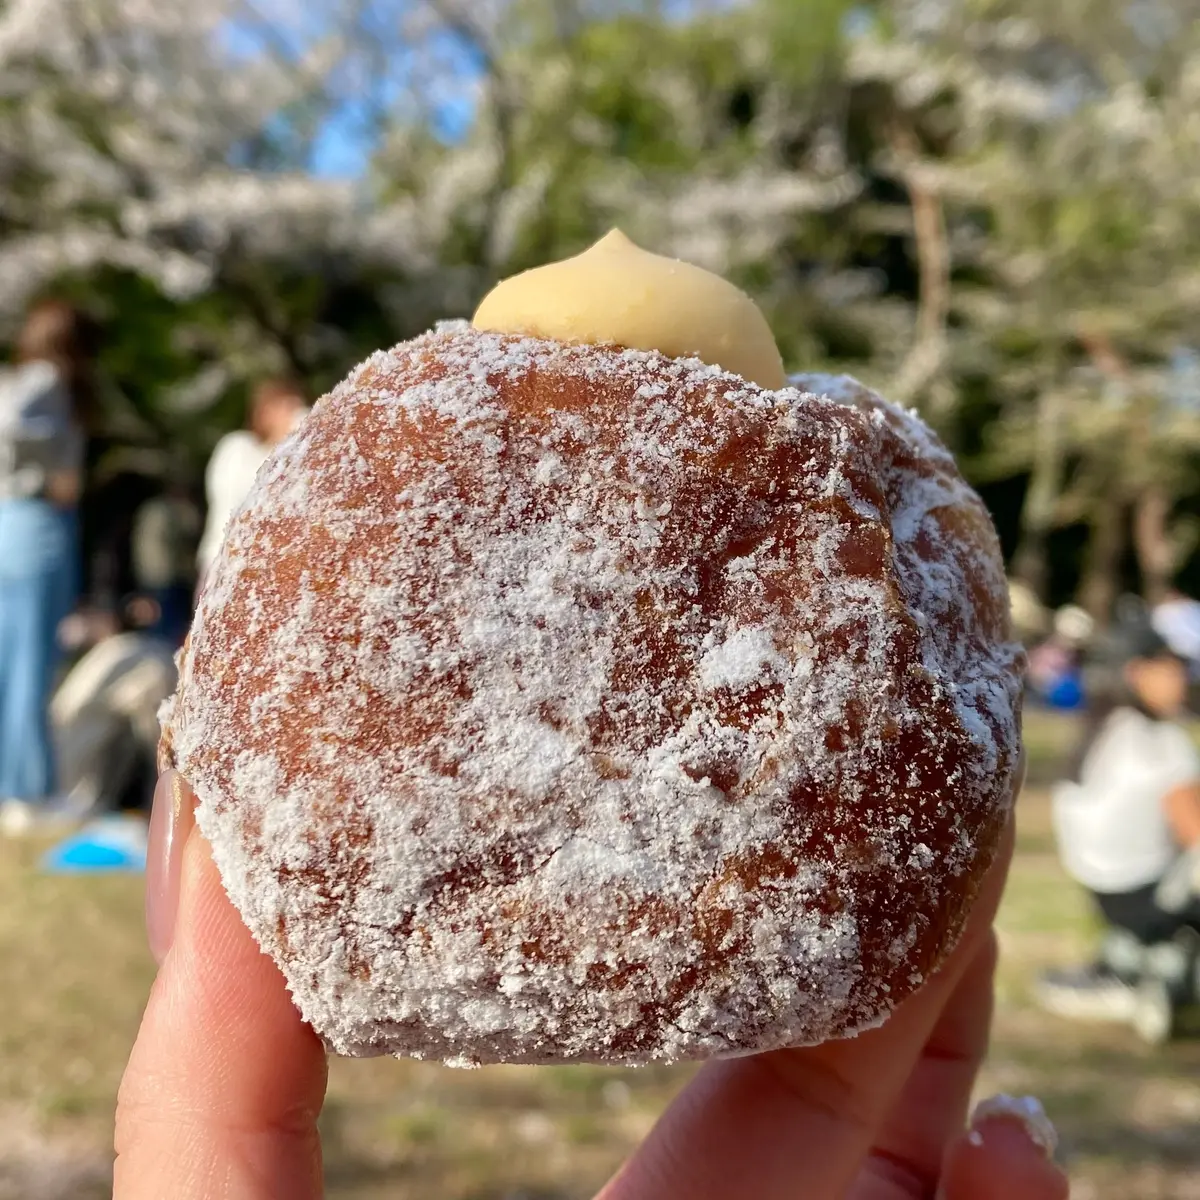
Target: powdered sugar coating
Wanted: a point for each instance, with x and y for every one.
(552, 703)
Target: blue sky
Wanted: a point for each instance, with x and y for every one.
(343, 148)
(344, 145)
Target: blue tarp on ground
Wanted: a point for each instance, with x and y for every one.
(115, 843)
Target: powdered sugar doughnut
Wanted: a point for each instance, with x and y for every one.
(558, 702)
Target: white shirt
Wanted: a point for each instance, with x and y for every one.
(38, 433)
(1112, 831)
(1177, 622)
(227, 482)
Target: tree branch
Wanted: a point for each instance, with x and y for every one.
(927, 355)
(504, 111)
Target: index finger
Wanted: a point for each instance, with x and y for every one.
(225, 1082)
(798, 1122)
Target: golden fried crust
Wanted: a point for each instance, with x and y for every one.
(553, 702)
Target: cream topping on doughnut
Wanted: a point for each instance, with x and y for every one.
(618, 293)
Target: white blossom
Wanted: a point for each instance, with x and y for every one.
(129, 117)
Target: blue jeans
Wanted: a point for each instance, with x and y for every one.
(38, 566)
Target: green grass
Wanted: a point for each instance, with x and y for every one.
(74, 974)
(1049, 738)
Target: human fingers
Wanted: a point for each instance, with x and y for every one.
(906, 1157)
(798, 1122)
(1007, 1152)
(225, 1082)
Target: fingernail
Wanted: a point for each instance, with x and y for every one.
(1026, 1111)
(171, 820)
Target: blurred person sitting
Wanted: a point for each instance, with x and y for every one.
(1055, 665)
(1176, 619)
(1127, 818)
(276, 410)
(45, 408)
(163, 547)
(105, 715)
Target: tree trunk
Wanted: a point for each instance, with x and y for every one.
(1038, 511)
(503, 105)
(1100, 585)
(1155, 551)
(1029, 564)
(927, 355)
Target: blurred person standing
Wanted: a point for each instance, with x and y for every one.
(46, 403)
(276, 409)
(163, 549)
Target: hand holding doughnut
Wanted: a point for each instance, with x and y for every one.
(560, 701)
(224, 1086)
(569, 689)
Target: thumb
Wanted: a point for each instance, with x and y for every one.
(1008, 1151)
(225, 1082)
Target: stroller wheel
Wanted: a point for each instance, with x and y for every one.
(1154, 1014)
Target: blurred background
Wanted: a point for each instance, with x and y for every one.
(989, 210)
